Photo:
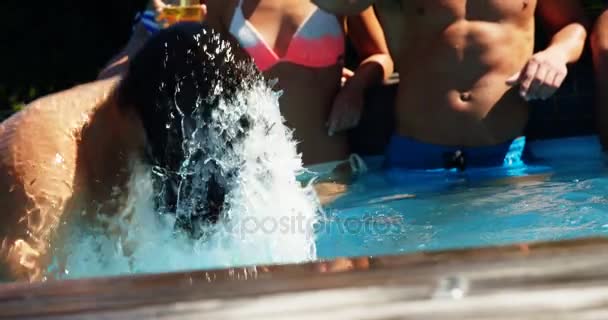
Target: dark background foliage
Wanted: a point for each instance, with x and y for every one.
(52, 45)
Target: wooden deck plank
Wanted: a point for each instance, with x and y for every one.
(525, 281)
(385, 303)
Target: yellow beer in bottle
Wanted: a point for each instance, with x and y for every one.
(182, 11)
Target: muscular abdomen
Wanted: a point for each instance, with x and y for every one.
(454, 69)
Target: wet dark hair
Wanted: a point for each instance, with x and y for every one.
(171, 84)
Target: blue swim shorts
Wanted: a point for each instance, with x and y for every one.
(407, 153)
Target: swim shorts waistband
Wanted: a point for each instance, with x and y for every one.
(407, 153)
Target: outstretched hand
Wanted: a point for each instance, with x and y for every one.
(541, 76)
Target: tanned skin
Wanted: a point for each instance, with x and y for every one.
(313, 102)
(63, 153)
(467, 67)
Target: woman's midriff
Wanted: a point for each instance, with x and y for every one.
(453, 88)
(306, 102)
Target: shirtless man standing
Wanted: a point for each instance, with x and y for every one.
(467, 69)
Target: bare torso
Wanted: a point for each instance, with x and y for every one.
(306, 108)
(307, 93)
(455, 57)
(46, 171)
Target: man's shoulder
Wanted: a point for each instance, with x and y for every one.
(64, 104)
(80, 96)
(50, 124)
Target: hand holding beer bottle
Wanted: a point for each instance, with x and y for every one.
(170, 12)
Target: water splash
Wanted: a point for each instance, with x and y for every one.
(245, 149)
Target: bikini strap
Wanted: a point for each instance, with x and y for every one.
(238, 18)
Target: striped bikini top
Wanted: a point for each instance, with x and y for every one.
(318, 42)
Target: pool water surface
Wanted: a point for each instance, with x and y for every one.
(563, 196)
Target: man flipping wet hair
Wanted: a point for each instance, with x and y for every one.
(69, 152)
(467, 70)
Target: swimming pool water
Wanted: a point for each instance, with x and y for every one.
(568, 200)
(564, 196)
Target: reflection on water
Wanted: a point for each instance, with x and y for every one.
(570, 203)
(376, 217)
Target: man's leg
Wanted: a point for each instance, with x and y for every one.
(599, 45)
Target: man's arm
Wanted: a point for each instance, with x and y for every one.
(567, 21)
(367, 36)
(368, 39)
(119, 63)
(547, 69)
(344, 7)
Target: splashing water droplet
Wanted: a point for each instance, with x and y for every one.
(58, 159)
(243, 145)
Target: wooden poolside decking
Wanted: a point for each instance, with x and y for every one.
(560, 280)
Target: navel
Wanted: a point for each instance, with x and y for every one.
(465, 96)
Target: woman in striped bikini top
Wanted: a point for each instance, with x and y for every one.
(303, 47)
